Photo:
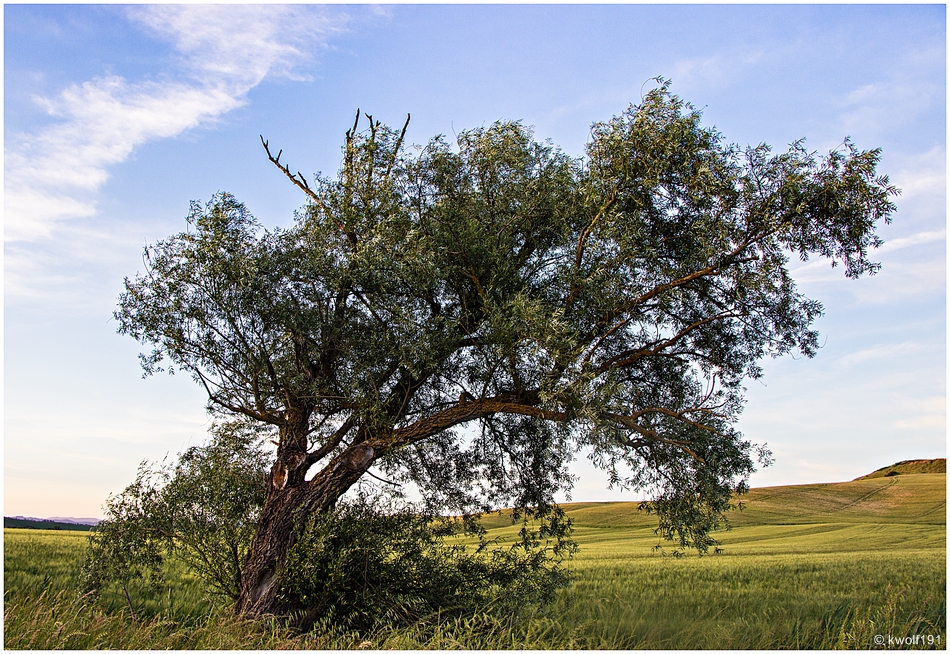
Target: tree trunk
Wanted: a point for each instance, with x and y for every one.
(285, 512)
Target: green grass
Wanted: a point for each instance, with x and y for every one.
(812, 566)
(47, 563)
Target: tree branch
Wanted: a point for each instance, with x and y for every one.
(299, 180)
(649, 436)
(331, 444)
(461, 413)
(402, 134)
(629, 357)
(582, 242)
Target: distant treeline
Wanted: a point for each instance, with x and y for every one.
(16, 523)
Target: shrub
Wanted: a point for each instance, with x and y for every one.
(373, 562)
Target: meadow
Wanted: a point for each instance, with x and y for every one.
(859, 564)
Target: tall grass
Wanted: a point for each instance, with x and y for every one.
(862, 573)
(759, 602)
(65, 621)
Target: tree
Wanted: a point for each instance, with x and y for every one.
(611, 305)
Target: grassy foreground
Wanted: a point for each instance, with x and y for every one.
(855, 565)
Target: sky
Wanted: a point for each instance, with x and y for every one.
(116, 117)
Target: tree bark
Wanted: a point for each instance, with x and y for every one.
(285, 512)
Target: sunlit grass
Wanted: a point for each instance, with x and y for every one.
(817, 566)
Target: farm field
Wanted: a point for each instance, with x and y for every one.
(812, 566)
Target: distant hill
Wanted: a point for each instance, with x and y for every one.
(21, 522)
(910, 467)
(902, 499)
(72, 521)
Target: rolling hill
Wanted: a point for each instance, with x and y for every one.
(868, 514)
(916, 493)
(910, 467)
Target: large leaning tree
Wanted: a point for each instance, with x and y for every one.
(469, 316)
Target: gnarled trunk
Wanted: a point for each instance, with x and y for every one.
(285, 512)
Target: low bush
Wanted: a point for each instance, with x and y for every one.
(373, 562)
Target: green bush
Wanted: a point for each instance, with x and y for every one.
(372, 562)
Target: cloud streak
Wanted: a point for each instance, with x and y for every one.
(222, 53)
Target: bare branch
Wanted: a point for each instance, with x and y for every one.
(300, 182)
(392, 161)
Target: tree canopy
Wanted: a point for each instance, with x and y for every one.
(608, 306)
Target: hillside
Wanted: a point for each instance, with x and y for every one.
(895, 499)
(910, 467)
(904, 511)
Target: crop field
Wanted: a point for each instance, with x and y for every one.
(860, 564)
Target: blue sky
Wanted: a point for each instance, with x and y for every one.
(116, 117)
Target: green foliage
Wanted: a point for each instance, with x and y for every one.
(372, 563)
(125, 546)
(201, 509)
(210, 503)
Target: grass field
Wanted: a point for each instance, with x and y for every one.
(814, 566)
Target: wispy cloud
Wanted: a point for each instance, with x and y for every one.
(222, 53)
(875, 108)
(927, 413)
(714, 71)
(237, 46)
(914, 239)
(912, 86)
(52, 176)
(922, 179)
(881, 352)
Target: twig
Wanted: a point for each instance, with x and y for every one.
(129, 600)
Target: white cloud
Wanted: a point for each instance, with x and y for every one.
(921, 177)
(924, 414)
(52, 176)
(913, 86)
(914, 239)
(714, 71)
(225, 51)
(874, 108)
(880, 352)
(706, 69)
(239, 45)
